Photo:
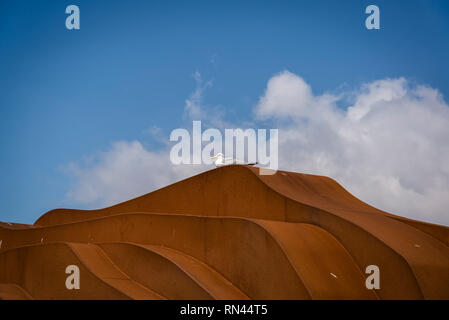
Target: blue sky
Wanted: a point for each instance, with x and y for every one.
(65, 95)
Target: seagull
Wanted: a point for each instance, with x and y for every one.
(222, 161)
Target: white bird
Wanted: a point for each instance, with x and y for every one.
(222, 161)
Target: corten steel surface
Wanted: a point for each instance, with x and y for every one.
(228, 233)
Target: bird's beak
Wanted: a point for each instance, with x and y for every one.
(213, 157)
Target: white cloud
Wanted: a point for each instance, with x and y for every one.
(289, 96)
(389, 146)
(128, 169)
(193, 104)
(387, 143)
(125, 171)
